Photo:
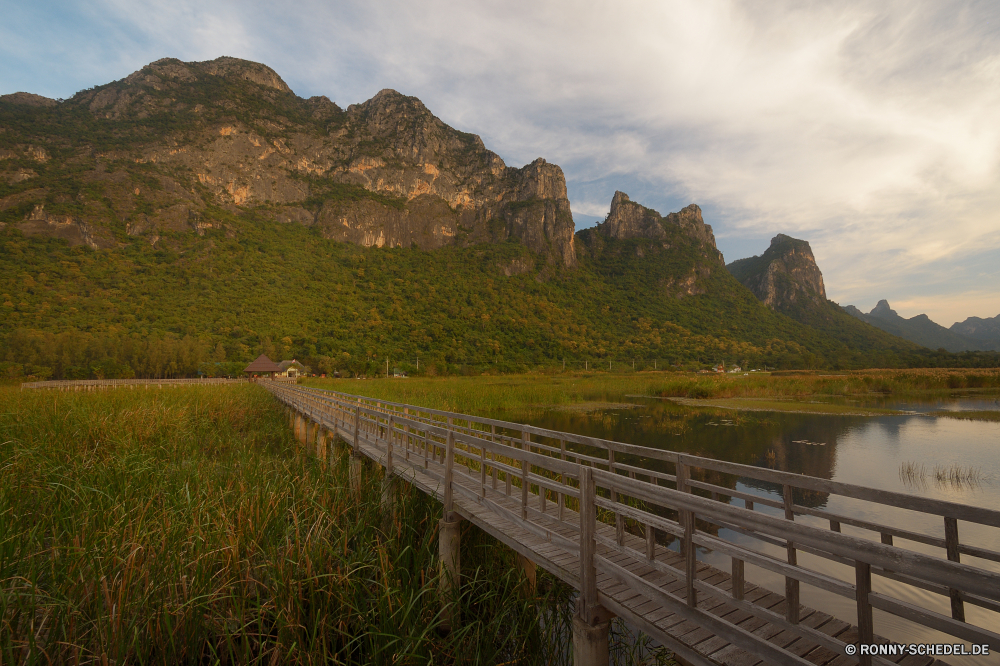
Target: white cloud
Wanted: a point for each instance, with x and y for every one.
(869, 130)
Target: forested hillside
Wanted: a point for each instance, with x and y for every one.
(194, 215)
(213, 303)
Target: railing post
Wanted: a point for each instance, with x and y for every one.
(562, 478)
(619, 523)
(688, 550)
(791, 584)
(951, 546)
(682, 486)
(525, 466)
(588, 527)
(449, 541)
(355, 464)
(866, 629)
(449, 470)
(389, 482)
(737, 579)
(591, 622)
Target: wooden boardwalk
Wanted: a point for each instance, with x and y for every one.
(599, 515)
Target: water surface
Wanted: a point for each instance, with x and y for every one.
(868, 451)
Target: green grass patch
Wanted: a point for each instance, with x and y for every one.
(181, 526)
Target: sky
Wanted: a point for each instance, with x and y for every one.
(872, 130)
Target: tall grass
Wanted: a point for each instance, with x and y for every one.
(180, 526)
(520, 394)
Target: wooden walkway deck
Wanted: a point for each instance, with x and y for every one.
(527, 487)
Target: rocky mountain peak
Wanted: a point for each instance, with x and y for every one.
(230, 133)
(883, 310)
(628, 219)
(247, 70)
(785, 276)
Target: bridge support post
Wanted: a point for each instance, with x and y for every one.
(321, 445)
(530, 570)
(590, 641)
(300, 424)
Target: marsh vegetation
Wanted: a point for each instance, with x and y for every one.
(182, 526)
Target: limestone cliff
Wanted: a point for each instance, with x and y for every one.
(170, 146)
(785, 276)
(628, 219)
(679, 242)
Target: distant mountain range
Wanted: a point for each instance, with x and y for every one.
(787, 279)
(972, 334)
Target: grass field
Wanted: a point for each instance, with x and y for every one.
(181, 526)
(520, 394)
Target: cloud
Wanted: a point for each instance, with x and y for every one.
(869, 130)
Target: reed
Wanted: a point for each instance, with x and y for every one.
(181, 526)
(521, 394)
(955, 476)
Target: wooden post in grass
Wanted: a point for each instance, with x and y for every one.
(322, 444)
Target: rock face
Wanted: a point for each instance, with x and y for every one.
(628, 219)
(785, 276)
(679, 242)
(194, 137)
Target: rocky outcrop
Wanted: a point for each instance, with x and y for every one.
(71, 229)
(677, 250)
(386, 172)
(628, 219)
(785, 276)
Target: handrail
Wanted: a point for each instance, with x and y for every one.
(616, 506)
(67, 384)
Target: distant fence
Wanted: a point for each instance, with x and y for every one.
(95, 384)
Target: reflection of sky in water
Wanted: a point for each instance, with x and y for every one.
(857, 450)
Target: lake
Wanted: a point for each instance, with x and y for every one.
(898, 453)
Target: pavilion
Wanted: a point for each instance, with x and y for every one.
(263, 367)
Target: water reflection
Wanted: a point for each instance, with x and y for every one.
(868, 451)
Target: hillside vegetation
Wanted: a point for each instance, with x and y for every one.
(213, 303)
(192, 216)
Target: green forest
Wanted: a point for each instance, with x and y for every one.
(212, 303)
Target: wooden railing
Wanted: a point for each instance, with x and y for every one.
(614, 505)
(95, 384)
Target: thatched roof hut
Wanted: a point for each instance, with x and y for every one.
(263, 366)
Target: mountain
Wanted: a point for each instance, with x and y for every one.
(787, 279)
(194, 215)
(984, 331)
(784, 277)
(171, 144)
(921, 330)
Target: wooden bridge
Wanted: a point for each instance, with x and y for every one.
(602, 515)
